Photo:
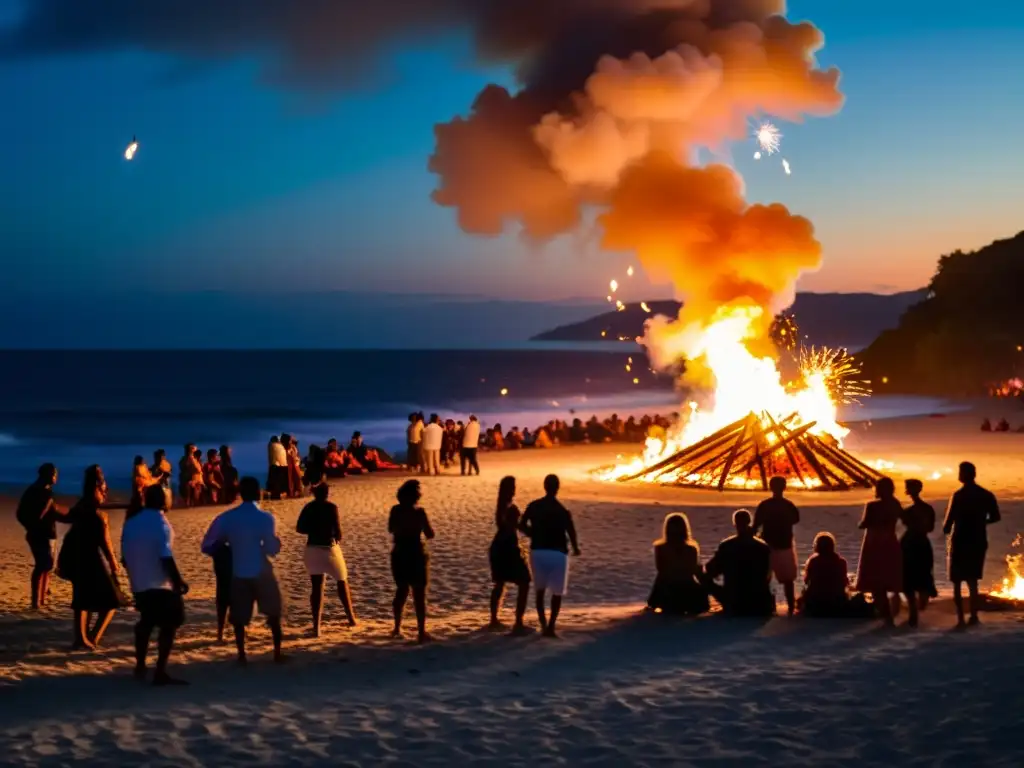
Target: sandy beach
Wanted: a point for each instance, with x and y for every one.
(619, 688)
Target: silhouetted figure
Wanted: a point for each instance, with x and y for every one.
(410, 563)
(277, 468)
(918, 558)
(229, 473)
(970, 511)
(550, 529)
(470, 447)
(147, 549)
(826, 584)
(508, 566)
(222, 575)
(679, 585)
(39, 514)
(320, 523)
(986, 425)
(743, 562)
(251, 533)
(1002, 426)
(880, 570)
(775, 518)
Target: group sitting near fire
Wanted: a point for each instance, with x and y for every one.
(1001, 426)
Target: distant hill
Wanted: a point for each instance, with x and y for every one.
(851, 320)
(966, 334)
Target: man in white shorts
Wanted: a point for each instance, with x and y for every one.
(550, 529)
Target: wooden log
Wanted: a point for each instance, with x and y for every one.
(747, 424)
(721, 434)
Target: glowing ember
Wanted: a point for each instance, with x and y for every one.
(629, 273)
(131, 149)
(644, 307)
(1012, 587)
(613, 285)
(745, 383)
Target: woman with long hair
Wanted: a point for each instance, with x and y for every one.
(410, 562)
(87, 560)
(918, 557)
(508, 566)
(880, 570)
(678, 587)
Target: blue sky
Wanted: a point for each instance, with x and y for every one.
(243, 187)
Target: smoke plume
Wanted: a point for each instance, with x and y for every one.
(613, 99)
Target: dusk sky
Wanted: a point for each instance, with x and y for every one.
(245, 185)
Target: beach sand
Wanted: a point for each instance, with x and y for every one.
(619, 688)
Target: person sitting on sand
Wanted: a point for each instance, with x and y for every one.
(880, 569)
(550, 528)
(776, 517)
(38, 513)
(918, 558)
(986, 425)
(508, 566)
(213, 477)
(190, 477)
(320, 523)
(252, 535)
(743, 562)
(147, 551)
(1002, 426)
(826, 581)
(161, 472)
(678, 587)
(87, 561)
(366, 456)
(229, 476)
(543, 439)
(410, 563)
(971, 509)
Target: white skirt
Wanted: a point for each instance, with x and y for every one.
(550, 571)
(326, 561)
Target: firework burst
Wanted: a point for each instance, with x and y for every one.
(838, 370)
(769, 138)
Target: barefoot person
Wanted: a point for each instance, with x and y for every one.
(775, 518)
(410, 563)
(880, 570)
(252, 535)
(549, 527)
(38, 513)
(970, 511)
(320, 523)
(918, 558)
(507, 563)
(147, 550)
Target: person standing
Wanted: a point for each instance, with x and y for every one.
(506, 557)
(971, 510)
(775, 518)
(918, 558)
(433, 435)
(410, 563)
(414, 439)
(880, 570)
(251, 534)
(147, 550)
(38, 513)
(550, 529)
(320, 523)
(470, 446)
(161, 473)
(277, 468)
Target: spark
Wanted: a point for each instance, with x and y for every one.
(629, 368)
(785, 166)
(768, 138)
(619, 306)
(838, 371)
(636, 381)
(757, 155)
(785, 333)
(603, 334)
(629, 272)
(614, 285)
(504, 391)
(131, 149)
(608, 297)
(644, 307)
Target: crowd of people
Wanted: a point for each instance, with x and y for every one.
(243, 541)
(1000, 426)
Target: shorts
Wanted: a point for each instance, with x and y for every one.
(550, 571)
(160, 608)
(326, 561)
(262, 591)
(42, 553)
(784, 565)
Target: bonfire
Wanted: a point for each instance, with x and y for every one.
(1012, 588)
(756, 426)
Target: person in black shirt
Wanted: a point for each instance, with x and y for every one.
(320, 522)
(39, 513)
(743, 562)
(408, 525)
(970, 511)
(549, 527)
(776, 517)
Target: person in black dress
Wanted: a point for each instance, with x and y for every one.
(39, 514)
(508, 566)
(87, 561)
(970, 511)
(408, 525)
(918, 558)
(678, 588)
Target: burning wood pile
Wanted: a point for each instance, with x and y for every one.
(747, 453)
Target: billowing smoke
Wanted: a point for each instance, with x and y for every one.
(614, 99)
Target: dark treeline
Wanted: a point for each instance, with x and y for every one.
(966, 336)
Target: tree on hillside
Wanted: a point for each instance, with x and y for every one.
(966, 336)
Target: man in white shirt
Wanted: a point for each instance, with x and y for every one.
(470, 445)
(414, 453)
(277, 468)
(251, 533)
(146, 549)
(433, 434)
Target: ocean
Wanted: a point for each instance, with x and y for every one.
(77, 408)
